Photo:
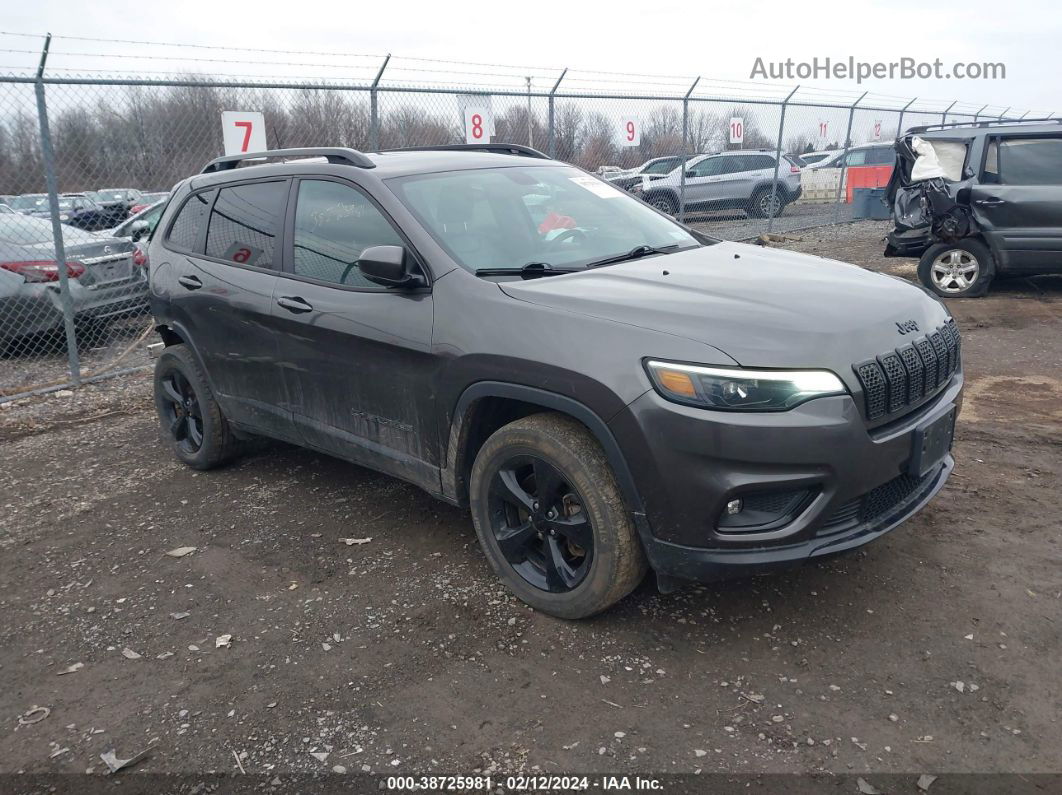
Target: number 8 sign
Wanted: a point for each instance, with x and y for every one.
(477, 125)
(630, 132)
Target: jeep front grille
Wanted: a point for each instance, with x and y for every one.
(900, 379)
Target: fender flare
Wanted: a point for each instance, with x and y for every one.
(566, 405)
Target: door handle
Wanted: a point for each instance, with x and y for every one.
(294, 304)
(989, 202)
(189, 282)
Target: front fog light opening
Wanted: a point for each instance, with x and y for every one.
(762, 511)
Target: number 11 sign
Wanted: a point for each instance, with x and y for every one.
(243, 131)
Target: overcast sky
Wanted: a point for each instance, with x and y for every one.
(719, 41)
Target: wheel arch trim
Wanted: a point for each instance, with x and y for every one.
(550, 401)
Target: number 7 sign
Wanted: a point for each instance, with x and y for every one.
(243, 131)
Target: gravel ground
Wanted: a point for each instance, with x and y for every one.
(279, 646)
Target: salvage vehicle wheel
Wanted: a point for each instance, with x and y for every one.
(763, 205)
(550, 518)
(957, 270)
(664, 203)
(191, 418)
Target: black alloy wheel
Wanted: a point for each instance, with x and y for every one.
(539, 523)
(182, 414)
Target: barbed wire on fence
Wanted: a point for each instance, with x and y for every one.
(91, 134)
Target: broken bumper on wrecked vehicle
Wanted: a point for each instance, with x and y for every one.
(815, 481)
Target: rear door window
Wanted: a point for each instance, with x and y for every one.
(186, 231)
(245, 223)
(1029, 161)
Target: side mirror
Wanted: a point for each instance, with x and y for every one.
(388, 265)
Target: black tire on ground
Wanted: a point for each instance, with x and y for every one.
(663, 202)
(614, 564)
(190, 417)
(957, 270)
(759, 205)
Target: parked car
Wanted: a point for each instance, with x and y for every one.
(977, 201)
(5, 200)
(104, 282)
(739, 179)
(118, 199)
(653, 169)
(810, 158)
(28, 202)
(877, 154)
(147, 200)
(607, 390)
(80, 211)
(138, 226)
(7, 210)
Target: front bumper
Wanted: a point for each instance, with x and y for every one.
(688, 463)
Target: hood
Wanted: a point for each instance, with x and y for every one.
(762, 307)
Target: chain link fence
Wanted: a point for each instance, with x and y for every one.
(86, 163)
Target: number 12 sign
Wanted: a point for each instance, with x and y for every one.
(243, 131)
(477, 125)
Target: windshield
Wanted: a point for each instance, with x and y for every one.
(111, 195)
(509, 217)
(27, 202)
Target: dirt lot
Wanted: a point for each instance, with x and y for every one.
(933, 650)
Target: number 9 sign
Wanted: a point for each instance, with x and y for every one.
(630, 132)
(477, 125)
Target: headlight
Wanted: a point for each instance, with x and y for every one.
(737, 389)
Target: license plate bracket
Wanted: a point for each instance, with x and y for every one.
(931, 442)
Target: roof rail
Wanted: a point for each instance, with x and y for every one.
(501, 149)
(987, 123)
(334, 154)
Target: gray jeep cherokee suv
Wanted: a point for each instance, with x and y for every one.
(608, 391)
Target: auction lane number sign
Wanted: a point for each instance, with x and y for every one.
(243, 131)
(477, 125)
(630, 131)
(737, 130)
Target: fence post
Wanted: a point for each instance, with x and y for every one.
(1003, 115)
(979, 113)
(685, 150)
(374, 109)
(48, 156)
(844, 158)
(944, 115)
(552, 137)
(903, 110)
(778, 159)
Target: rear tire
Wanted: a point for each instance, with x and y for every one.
(191, 418)
(542, 487)
(760, 204)
(957, 270)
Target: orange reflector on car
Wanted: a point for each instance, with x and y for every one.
(677, 382)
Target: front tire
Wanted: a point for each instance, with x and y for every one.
(191, 418)
(957, 270)
(551, 519)
(664, 203)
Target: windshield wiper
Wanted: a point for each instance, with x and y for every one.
(531, 270)
(635, 253)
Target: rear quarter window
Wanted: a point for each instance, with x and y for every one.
(186, 231)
